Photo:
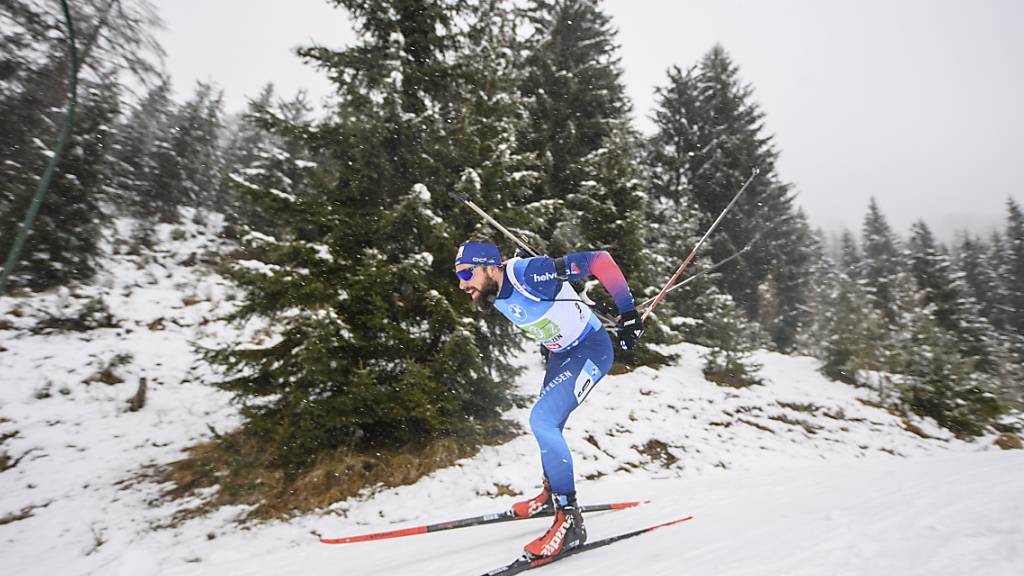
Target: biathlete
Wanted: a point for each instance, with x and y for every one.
(535, 294)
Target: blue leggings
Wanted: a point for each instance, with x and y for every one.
(570, 377)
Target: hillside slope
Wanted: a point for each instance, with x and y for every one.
(802, 475)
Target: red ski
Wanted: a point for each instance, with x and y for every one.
(506, 516)
(525, 563)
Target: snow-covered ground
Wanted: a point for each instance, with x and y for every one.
(800, 476)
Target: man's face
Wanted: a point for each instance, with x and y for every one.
(481, 287)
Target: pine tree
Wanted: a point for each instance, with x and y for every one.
(728, 360)
(699, 312)
(494, 169)
(937, 381)
(145, 130)
(976, 263)
(576, 101)
(945, 291)
(190, 170)
(610, 204)
(822, 275)
(791, 281)
(850, 258)
(64, 241)
(27, 129)
(65, 237)
(34, 96)
(588, 193)
(672, 216)
(377, 347)
(973, 262)
(675, 140)
(710, 138)
(843, 330)
(671, 225)
(881, 260)
(997, 258)
(266, 154)
(853, 332)
(1010, 298)
(1013, 271)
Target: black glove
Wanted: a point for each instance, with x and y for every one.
(630, 329)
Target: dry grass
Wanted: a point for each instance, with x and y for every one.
(504, 490)
(658, 451)
(233, 464)
(620, 368)
(6, 462)
(729, 379)
(23, 514)
(808, 407)
(807, 426)
(914, 429)
(1009, 441)
(756, 425)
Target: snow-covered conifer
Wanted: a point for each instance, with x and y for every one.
(935, 379)
(881, 262)
(945, 290)
(376, 344)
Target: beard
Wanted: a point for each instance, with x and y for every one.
(486, 295)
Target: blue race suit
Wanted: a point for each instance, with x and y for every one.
(548, 309)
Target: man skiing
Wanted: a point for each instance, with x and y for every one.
(535, 294)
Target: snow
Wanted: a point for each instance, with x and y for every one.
(473, 177)
(256, 171)
(800, 476)
(420, 191)
(423, 261)
(322, 251)
(258, 266)
(259, 237)
(523, 174)
(282, 195)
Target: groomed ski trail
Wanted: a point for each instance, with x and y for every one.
(929, 516)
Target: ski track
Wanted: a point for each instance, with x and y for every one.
(799, 476)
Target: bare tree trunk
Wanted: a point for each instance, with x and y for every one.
(139, 400)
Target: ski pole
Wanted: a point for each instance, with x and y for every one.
(708, 270)
(464, 198)
(693, 253)
(720, 263)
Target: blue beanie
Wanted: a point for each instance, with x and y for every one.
(478, 253)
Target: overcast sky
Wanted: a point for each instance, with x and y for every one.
(916, 102)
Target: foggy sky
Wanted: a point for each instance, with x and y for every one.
(915, 102)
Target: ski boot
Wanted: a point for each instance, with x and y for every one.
(567, 531)
(538, 505)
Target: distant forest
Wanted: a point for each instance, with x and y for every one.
(346, 229)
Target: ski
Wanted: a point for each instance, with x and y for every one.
(525, 563)
(507, 516)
